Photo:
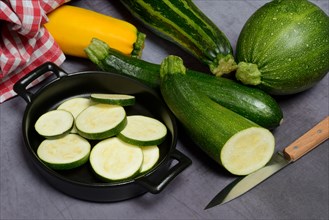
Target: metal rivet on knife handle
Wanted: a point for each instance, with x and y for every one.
(308, 141)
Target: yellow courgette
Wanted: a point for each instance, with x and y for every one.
(73, 28)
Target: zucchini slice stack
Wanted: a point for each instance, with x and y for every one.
(125, 145)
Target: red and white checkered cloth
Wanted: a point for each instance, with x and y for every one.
(25, 43)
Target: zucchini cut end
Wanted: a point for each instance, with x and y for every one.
(248, 150)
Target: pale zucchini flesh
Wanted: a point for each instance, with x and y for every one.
(113, 159)
(143, 131)
(114, 99)
(64, 153)
(55, 123)
(151, 155)
(101, 121)
(248, 150)
(75, 106)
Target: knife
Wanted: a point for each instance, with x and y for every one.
(308, 141)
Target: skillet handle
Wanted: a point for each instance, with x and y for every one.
(20, 86)
(156, 187)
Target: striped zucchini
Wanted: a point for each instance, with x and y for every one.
(183, 23)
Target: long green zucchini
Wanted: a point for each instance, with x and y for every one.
(251, 103)
(183, 23)
(239, 145)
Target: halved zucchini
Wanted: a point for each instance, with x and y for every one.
(64, 153)
(238, 144)
(101, 121)
(143, 131)
(54, 123)
(114, 99)
(113, 159)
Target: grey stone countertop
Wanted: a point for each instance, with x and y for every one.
(299, 191)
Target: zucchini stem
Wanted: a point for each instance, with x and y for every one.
(172, 65)
(97, 50)
(248, 73)
(223, 65)
(138, 45)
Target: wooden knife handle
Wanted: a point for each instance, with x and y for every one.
(311, 139)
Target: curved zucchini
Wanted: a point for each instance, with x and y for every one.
(183, 23)
(251, 103)
(239, 145)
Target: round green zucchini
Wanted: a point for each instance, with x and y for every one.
(284, 47)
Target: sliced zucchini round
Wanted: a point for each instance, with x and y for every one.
(64, 153)
(114, 99)
(75, 106)
(151, 155)
(112, 159)
(54, 123)
(248, 150)
(143, 131)
(101, 121)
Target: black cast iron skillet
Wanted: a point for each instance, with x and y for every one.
(81, 182)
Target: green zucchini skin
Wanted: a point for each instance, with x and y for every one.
(252, 103)
(284, 46)
(208, 124)
(183, 23)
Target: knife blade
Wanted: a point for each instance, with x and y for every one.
(301, 146)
